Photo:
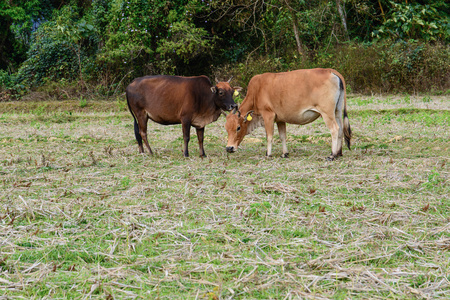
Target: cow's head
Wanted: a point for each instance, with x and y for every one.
(237, 127)
(223, 95)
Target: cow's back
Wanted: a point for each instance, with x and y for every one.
(298, 82)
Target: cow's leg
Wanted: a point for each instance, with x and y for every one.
(186, 136)
(331, 123)
(200, 135)
(142, 119)
(282, 132)
(269, 119)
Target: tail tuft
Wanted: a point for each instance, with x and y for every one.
(347, 130)
(136, 125)
(137, 134)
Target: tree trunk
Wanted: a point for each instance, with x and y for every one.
(295, 28)
(297, 37)
(343, 18)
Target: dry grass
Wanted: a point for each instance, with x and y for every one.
(83, 215)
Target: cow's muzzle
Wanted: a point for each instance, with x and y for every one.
(232, 106)
(230, 149)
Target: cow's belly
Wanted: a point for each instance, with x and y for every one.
(162, 119)
(302, 118)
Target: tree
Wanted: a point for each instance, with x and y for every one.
(142, 37)
(405, 21)
(61, 48)
(18, 19)
(16, 22)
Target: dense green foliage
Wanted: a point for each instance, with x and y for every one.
(377, 45)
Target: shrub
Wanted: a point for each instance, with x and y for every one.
(59, 49)
(379, 67)
(5, 80)
(10, 87)
(408, 21)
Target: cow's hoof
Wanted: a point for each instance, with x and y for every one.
(331, 158)
(203, 155)
(285, 155)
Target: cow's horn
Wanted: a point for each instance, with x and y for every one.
(229, 80)
(234, 110)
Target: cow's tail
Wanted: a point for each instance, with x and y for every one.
(347, 129)
(136, 126)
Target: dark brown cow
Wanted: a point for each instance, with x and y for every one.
(167, 100)
(297, 97)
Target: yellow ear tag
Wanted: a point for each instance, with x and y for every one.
(235, 93)
(249, 118)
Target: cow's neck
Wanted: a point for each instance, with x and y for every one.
(257, 120)
(246, 106)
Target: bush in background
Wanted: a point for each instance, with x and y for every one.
(381, 67)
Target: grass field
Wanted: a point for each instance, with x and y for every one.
(83, 215)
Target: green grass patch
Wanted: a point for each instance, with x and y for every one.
(83, 213)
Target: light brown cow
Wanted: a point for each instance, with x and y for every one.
(297, 97)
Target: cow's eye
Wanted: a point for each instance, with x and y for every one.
(221, 93)
(238, 128)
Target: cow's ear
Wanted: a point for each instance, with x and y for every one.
(248, 116)
(213, 89)
(237, 89)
